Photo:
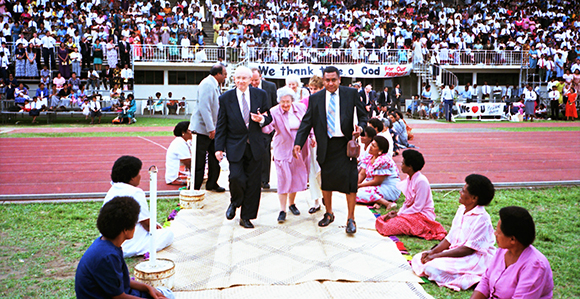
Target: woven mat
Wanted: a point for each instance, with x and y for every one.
(213, 253)
(316, 290)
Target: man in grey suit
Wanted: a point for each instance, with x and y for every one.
(270, 89)
(203, 123)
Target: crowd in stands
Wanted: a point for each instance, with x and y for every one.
(82, 34)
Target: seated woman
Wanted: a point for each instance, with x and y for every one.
(460, 260)
(378, 176)
(102, 271)
(178, 157)
(417, 215)
(125, 176)
(518, 269)
(129, 111)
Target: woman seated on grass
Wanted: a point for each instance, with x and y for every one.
(378, 176)
(102, 271)
(460, 260)
(417, 215)
(518, 269)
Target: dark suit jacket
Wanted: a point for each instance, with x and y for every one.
(315, 118)
(231, 132)
(124, 47)
(384, 100)
(271, 91)
(370, 101)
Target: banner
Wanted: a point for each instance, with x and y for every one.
(480, 109)
(281, 71)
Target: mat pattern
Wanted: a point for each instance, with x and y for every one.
(213, 254)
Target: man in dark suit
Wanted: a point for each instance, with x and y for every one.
(270, 89)
(384, 98)
(367, 96)
(125, 51)
(331, 114)
(243, 112)
(86, 47)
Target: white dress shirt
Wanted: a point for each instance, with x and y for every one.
(337, 128)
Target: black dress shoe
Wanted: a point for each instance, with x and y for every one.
(294, 210)
(246, 223)
(350, 226)
(265, 185)
(217, 189)
(231, 212)
(326, 220)
(282, 217)
(314, 210)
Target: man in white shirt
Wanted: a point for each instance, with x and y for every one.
(48, 44)
(497, 91)
(485, 92)
(554, 96)
(127, 76)
(95, 108)
(447, 97)
(178, 157)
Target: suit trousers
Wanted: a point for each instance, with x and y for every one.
(267, 161)
(245, 184)
(206, 145)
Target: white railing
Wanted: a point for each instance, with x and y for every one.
(169, 53)
(482, 57)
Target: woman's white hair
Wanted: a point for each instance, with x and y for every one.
(293, 78)
(286, 91)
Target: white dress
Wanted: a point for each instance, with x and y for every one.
(139, 244)
(177, 150)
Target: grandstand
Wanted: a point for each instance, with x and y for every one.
(382, 43)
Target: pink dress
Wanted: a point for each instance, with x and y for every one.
(417, 216)
(529, 277)
(472, 229)
(292, 173)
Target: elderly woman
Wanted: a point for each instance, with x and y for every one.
(460, 260)
(316, 85)
(292, 173)
(417, 215)
(518, 269)
(378, 176)
(294, 83)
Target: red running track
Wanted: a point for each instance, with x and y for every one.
(83, 165)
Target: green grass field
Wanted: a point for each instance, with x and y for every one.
(40, 244)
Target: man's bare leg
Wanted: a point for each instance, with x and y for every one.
(327, 200)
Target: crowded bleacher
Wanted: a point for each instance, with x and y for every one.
(43, 38)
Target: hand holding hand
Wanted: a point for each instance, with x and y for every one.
(212, 134)
(427, 257)
(219, 155)
(296, 151)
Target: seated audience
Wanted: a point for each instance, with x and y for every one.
(102, 271)
(378, 176)
(125, 181)
(518, 269)
(417, 215)
(178, 157)
(460, 260)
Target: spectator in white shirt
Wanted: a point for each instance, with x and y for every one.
(127, 76)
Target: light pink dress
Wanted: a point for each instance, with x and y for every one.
(292, 173)
(472, 229)
(529, 277)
